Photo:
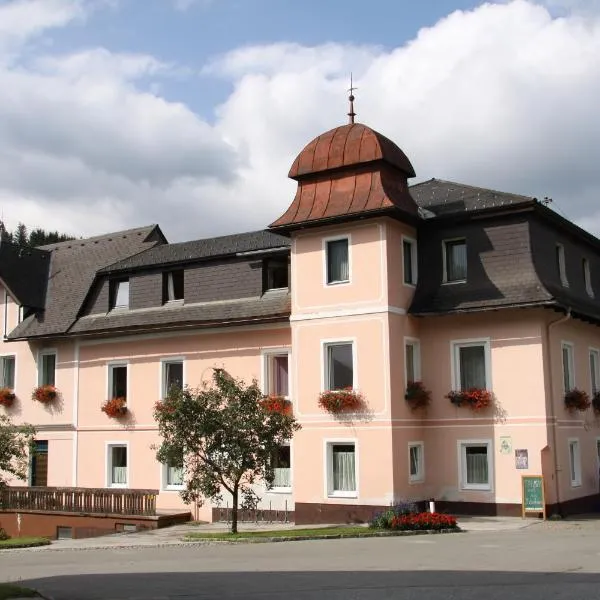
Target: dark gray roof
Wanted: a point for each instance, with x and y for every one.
(24, 271)
(201, 249)
(73, 266)
(447, 197)
(269, 307)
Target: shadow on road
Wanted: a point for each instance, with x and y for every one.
(368, 585)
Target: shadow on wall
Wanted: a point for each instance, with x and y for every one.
(332, 585)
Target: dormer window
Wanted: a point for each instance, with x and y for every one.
(562, 265)
(587, 277)
(276, 274)
(173, 286)
(455, 261)
(119, 294)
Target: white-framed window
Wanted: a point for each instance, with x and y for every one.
(342, 469)
(117, 380)
(282, 465)
(172, 477)
(416, 461)
(339, 366)
(594, 370)
(587, 277)
(476, 467)
(7, 372)
(568, 366)
(337, 260)
(172, 375)
(561, 265)
(455, 260)
(276, 373)
(575, 462)
(409, 261)
(47, 367)
(471, 364)
(173, 286)
(119, 293)
(117, 469)
(412, 360)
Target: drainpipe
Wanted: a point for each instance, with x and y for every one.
(547, 360)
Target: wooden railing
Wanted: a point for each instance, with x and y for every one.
(79, 500)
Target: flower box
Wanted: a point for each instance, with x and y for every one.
(473, 398)
(115, 407)
(577, 399)
(274, 403)
(417, 395)
(341, 401)
(7, 397)
(45, 394)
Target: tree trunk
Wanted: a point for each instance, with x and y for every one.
(234, 510)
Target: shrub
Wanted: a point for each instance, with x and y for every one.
(384, 519)
(474, 398)
(417, 395)
(577, 399)
(45, 394)
(423, 522)
(3, 535)
(115, 407)
(337, 401)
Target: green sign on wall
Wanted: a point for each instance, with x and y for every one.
(532, 487)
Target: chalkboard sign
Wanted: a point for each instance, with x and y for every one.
(532, 487)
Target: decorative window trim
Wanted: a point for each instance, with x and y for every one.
(462, 465)
(456, 345)
(420, 476)
(47, 352)
(163, 371)
(282, 489)
(562, 265)
(413, 259)
(336, 238)
(571, 364)
(325, 361)
(108, 464)
(265, 357)
(328, 444)
(416, 344)
(575, 476)
(445, 243)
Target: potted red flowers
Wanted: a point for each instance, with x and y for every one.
(45, 394)
(275, 403)
(577, 399)
(417, 395)
(7, 397)
(115, 407)
(340, 401)
(473, 398)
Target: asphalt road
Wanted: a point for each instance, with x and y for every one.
(534, 563)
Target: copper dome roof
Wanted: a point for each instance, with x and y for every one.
(349, 145)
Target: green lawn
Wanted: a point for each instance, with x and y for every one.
(284, 533)
(23, 542)
(7, 590)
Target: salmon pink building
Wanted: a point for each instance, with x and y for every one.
(464, 320)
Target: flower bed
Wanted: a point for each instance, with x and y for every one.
(417, 395)
(576, 399)
(340, 401)
(278, 404)
(7, 397)
(405, 517)
(45, 394)
(115, 407)
(474, 398)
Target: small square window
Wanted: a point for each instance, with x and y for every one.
(455, 260)
(64, 533)
(172, 376)
(338, 261)
(7, 372)
(276, 274)
(117, 381)
(568, 364)
(339, 366)
(561, 265)
(475, 465)
(119, 294)
(117, 466)
(277, 375)
(282, 464)
(587, 277)
(471, 365)
(416, 470)
(342, 469)
(409, 257)
(173, 284)
(575, 463)
(47, 370)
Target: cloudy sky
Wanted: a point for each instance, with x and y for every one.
(189, 113)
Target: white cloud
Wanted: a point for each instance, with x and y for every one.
(502, 96)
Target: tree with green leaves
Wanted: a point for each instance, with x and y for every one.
(224, 437)
(15, 445)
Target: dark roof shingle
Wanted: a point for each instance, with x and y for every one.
(24, 271)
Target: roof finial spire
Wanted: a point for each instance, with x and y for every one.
(351, 114)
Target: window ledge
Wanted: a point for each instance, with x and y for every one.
(333, 283)
(458, 281)
(279, 490)
(416, 480)
(118, 486)
(173, 488)
(576, 485)
(174, 302)
(342, 495)
(409, 285)
(476, 488)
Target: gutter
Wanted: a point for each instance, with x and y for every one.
(550, 401)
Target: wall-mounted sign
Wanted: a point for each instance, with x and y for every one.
(522, 459)
(505, 445)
